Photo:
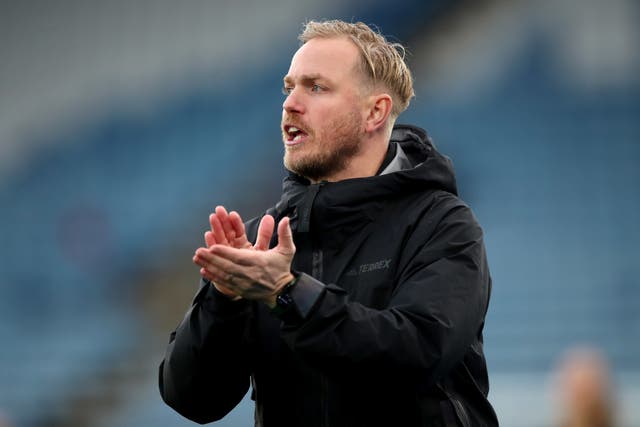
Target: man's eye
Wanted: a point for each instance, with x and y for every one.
(316, 88)
(286, 90)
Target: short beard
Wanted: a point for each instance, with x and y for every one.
(346, 135)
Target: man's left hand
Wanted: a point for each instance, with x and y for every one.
(253, 274)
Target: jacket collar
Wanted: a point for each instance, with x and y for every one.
(353, 203)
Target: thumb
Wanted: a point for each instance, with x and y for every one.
(265, 230)
(285, 237)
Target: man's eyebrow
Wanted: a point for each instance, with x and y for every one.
(305, 78)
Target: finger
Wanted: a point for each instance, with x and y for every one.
(223, 216)
(225, 258)
(216, 280)
(206, 275)
(231, 259)
(237, 225)
(204, 258)
(226, 291)
(199, 260)
(213, 276)
(218, 231)
(221, 211)
(265, 231)
(285, 237)
(211, 270)
(209, 239)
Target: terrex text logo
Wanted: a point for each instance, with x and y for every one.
(383, 264)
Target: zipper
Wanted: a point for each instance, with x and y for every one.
(460, 411)
(316, 271)
(316, 264)
(304, 226)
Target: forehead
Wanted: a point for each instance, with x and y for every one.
(334, 58)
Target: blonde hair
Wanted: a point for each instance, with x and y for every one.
(381, 61)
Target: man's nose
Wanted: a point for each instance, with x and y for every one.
(292, 103)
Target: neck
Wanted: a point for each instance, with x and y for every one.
(366, 162)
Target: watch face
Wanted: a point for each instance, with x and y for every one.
(284, 300)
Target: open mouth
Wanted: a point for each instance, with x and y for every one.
(293, 134)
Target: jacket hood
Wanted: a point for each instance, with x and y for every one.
(423, 168)
(428, 167)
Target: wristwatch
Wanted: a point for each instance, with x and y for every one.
(284, 301)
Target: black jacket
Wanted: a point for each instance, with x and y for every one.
(389, 310)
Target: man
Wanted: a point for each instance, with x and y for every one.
(366, 307)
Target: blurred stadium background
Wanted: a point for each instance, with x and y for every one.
(122, 124)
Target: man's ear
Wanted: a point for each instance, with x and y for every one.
(380, 106)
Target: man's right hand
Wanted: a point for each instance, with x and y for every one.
(228, 229)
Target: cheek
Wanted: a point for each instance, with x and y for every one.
(326, 117)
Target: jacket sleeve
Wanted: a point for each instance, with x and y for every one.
(206, 368)
(435, 314)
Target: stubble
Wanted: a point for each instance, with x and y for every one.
(334, 146)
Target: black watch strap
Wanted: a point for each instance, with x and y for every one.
(284, 300)
(298, 299)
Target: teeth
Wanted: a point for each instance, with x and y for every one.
(293, 129)
(297, 137)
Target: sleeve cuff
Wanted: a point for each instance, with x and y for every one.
(214, 301)
(306, 293)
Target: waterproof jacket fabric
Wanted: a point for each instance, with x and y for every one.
(388, 310)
